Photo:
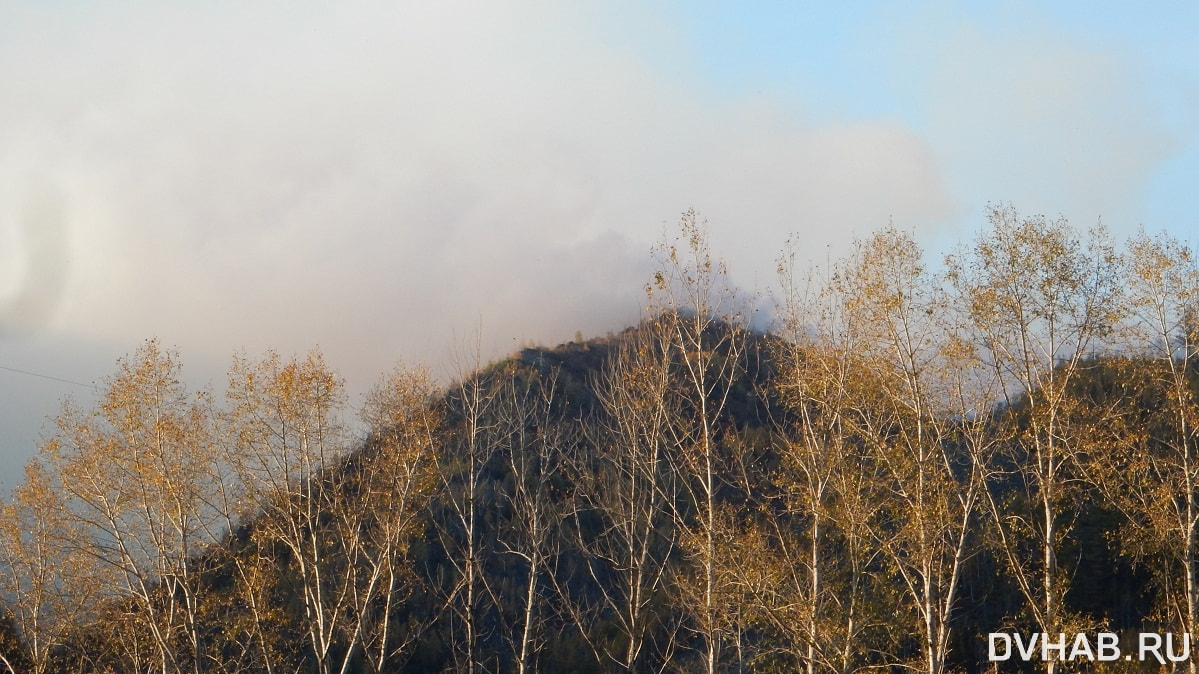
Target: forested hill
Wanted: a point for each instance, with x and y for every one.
(909, 463)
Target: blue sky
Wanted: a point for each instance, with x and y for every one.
(1092, 79)
(381, 179)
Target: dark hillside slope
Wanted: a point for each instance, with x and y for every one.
(554, 529)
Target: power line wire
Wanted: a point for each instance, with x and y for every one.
(46, 376)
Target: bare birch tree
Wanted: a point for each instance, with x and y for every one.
(694, 300)
(622, 504)
(138, 478)
(393, 480)
(933, 483)
(1040, 300)
(47, 580)
(463, 476)
(286, 419)
(1157, 478)
(533, 442)
(811, 566)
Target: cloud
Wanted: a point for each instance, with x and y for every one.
(385, 174)
(383, 178)
(1018, 109)
(36, 259)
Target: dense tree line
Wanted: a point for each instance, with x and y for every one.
(916, 455)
